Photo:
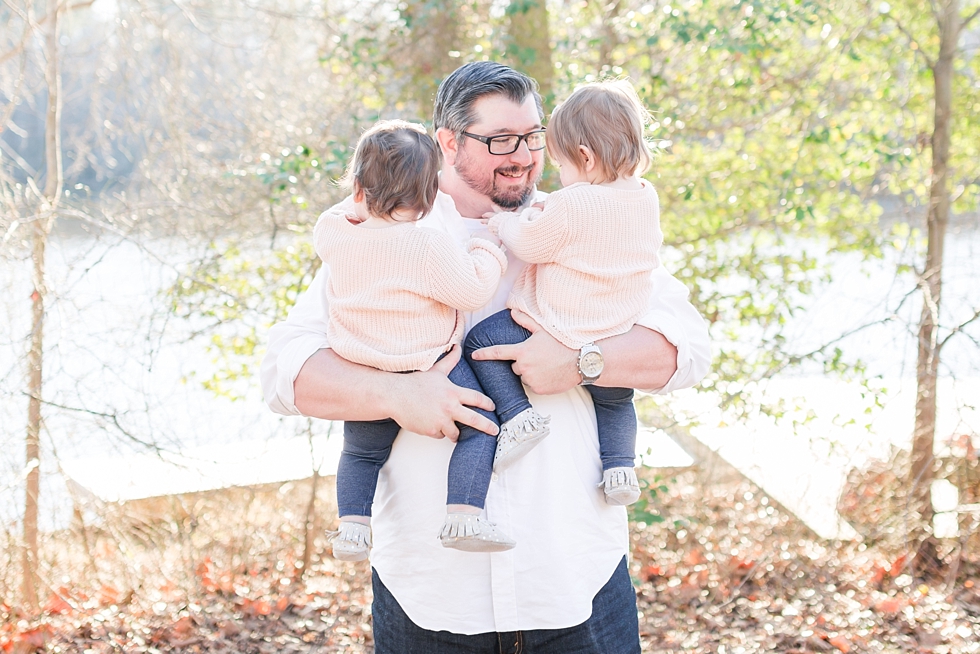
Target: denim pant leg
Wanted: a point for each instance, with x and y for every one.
(497, 377)
(367, 445)
(395, 633)
(613, 628)
(472, 462)
(615, 416)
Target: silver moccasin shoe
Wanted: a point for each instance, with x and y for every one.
(351, 541)
(518, 436)
(620, 486)
(472, 533)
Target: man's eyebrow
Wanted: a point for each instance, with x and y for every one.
(508, 130)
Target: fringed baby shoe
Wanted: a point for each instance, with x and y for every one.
(620, 485)
(517, 436)
(471, 533)
(351, 542)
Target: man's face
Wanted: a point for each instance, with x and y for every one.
(507, 179)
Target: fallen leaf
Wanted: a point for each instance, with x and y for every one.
(57, 604)
(184, 627)
(891, 605)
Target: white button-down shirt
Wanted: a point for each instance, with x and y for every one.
(569, 541)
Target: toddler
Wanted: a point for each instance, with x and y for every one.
(591, 248)
(395, 294)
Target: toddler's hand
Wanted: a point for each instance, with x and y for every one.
(487, 235)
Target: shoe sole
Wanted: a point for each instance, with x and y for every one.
(473, 545)
(502, 463)
(622, 499)
(350, 556)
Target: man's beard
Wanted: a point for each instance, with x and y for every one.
(505, 198)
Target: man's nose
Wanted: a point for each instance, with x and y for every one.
(522, 155)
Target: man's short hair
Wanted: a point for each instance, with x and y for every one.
(469, 83)
(396, 164)
(609, 119)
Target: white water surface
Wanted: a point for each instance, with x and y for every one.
(112, 350)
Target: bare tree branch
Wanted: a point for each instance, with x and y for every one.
(912, 40)
(969, 19)
(956, 330)
(112, 418)
(31, 26)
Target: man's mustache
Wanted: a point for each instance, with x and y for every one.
(514, 170)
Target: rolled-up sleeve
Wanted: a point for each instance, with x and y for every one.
(671, 314)
(292, 342)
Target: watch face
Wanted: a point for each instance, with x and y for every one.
(591, 364)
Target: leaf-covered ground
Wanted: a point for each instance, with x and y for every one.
(724, 573)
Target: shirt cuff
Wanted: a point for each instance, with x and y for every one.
(692, 363)
(290, 361)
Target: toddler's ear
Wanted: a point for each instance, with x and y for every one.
(588, 159)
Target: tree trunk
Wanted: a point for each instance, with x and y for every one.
(927, 367)
(610, 39)
(529, 47)
(437, 29)
(35, 357)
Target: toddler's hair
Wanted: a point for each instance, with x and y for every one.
(396, 164)
(608, 118)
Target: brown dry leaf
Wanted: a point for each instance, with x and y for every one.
(184, 627)
(891, 605)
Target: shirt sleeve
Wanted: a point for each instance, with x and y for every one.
(297, 338)
(671, 314)
(534, 235)
(462, 279)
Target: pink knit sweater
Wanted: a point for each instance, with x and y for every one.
(594, 248)
(396, 293)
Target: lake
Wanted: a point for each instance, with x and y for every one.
(119, 370)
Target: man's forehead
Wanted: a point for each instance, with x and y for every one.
(498, 114)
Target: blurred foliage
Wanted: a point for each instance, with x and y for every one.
(244, 295)
(644, 510)
(783, 129)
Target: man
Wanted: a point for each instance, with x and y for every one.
(565, 587)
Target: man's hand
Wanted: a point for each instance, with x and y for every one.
(545, 365)
(428, 403)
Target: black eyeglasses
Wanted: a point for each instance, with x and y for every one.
(508, 143)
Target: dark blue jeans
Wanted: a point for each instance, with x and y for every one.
(367, 445)
(613, 628)
(614, 411)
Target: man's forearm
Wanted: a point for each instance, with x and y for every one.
(426, 403)
(640, 358)
(332, 388)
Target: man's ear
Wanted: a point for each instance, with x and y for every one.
(587, 159)
(448, 144)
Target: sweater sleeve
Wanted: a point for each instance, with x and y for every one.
(464, 280)
(534, 235)
(322, 229)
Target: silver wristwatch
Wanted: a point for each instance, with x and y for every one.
(590, 363)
